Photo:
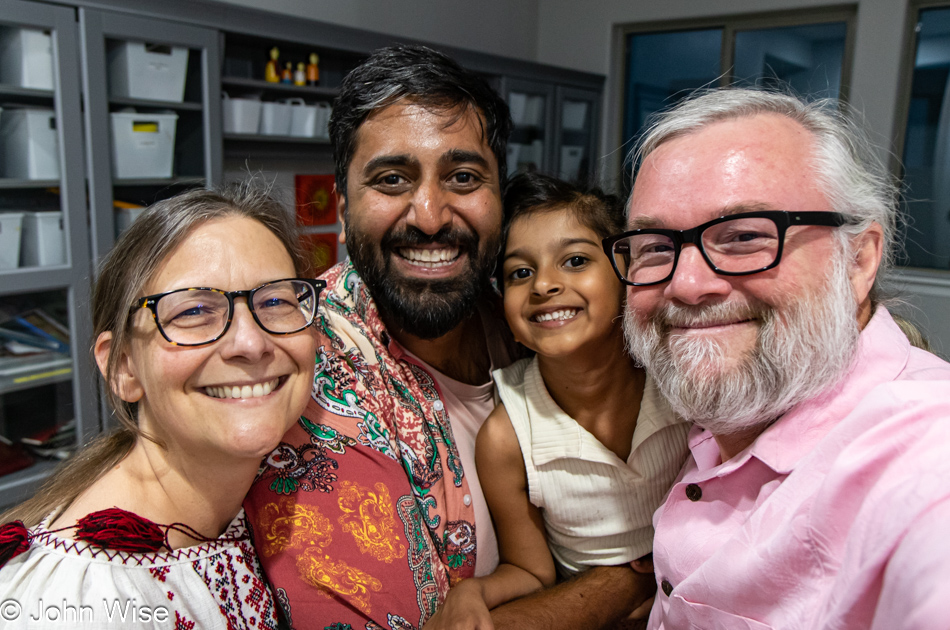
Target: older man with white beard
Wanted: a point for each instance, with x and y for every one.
(818, 490)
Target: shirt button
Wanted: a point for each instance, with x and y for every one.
(467, 500)
(438, 406)
(694, 492)
(667, 587)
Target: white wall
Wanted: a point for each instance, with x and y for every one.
(501, 27)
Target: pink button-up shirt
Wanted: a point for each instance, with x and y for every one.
(837, 516)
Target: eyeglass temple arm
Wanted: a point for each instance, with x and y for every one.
(829, 219)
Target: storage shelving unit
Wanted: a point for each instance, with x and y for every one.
(197, 156)
(64, 389)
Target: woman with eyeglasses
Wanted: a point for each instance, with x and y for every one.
(202, 333)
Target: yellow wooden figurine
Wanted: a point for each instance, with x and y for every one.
(271, 74)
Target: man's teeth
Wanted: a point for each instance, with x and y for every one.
(430, 257)
(243, 391)
(556, 316)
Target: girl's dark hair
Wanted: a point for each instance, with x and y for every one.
(528, 193)
(126, 270)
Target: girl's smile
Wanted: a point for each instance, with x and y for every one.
(561, 295)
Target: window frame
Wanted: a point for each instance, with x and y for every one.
(730, 25)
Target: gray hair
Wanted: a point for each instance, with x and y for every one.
(846, 164)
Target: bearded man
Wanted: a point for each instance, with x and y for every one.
(370, 508)
(817, 493)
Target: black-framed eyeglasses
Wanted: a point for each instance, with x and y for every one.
(197, 316)
(734, 245)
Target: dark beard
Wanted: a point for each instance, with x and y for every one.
(427, 309)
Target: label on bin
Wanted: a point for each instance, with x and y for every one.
(144, 127)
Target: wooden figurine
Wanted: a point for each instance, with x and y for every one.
(271, 74)
(313, 70)
(287, 76)
(300, 77)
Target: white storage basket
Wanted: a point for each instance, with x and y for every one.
(30, 144)
(241, 115)
(43, 241)
(303, 118)
(275, 119)
(26, 58)
(148, 71)
(143, 145)
(10, 226)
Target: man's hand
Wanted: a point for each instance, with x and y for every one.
(464, 609)
(602, 597)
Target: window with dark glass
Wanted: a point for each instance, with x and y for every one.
(926, 155)
(663, 66)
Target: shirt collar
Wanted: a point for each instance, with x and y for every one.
(564, 437)
(882, 353)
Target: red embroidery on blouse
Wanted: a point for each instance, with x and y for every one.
(14, 540)
(120, 530)
(159, 573)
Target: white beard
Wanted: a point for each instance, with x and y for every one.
(803, 348)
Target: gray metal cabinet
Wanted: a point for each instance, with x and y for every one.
(55, 389)
(196, 149)
(531, 146)
(556, 128)
(576, 131)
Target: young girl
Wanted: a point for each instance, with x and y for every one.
(582, 449)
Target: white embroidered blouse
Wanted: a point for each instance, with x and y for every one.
(217, 584)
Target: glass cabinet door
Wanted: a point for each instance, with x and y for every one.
(47, 388)
(530, 145)
(152, 92)
(576, 138)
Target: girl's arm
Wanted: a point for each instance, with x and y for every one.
(526, 563)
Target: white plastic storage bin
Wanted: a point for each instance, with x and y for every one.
(323, 120)
(26, 58)
(30, 144)
(275, 119)
(241, 115)
(10, 225)
(148, 71)
(43, 241)
(303, 118)
(143, 145)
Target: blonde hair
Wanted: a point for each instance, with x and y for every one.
(127, 269)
